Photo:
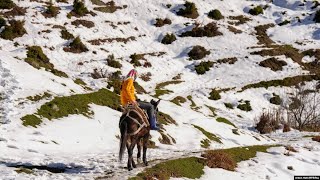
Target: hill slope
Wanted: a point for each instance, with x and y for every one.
(50, 110)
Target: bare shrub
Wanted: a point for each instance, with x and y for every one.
(286, 128)
(146, 77)
(303, 110)
(269, 121)
(85, 23)
(290, 148)
(99, 73)
(219, 159)
(209, 30)
(316, 138)
(161, 22)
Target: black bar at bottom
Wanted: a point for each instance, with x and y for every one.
(306, 177)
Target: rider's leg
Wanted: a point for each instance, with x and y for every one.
(150, 111)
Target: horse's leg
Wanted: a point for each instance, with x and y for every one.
(139, 150)
(133, 143)
(129, 165)
(145, 144)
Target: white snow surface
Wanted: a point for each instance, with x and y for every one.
(87, 147)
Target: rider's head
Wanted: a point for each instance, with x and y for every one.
(132, 74)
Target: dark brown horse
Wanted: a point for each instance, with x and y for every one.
(133, 130)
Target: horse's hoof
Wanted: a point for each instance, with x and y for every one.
(146, 163)
(129, 169)
(134, 165)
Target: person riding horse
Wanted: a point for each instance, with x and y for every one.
(127, 96)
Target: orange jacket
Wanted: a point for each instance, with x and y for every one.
(127, 92)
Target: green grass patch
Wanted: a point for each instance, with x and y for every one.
(37, 59)
(65, 34)
(245, 106)
(308, 136)
(6, 4)
(13, 31)
(191, 167)
(98, 2)
(139, 89)
(214, 95)
(275, 99)
(24, 170)
(76, 46)
(112, 62)
(106, 9)
(228, 158)
(235, 131)
(215, 14)
(160, 92)
(166, 138)
(226, 121)
(245, 153)
(39, 97)
(168, 38)
(209, 135)
(2, 22)
(228, 105)
(79, 9)
(165, 119)
(203, 67)
(80, 82)
(109, 7)
(205, 143)
(256, 11)
(31, 120)
(193, 105)
(75, 104)
(189, 10)
(179, 99)
(288, 82)
(163, 84)
(160, 88)
(213, 110)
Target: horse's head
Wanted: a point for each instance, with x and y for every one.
(155, 104)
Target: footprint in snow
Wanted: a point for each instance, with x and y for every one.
(12, 147)
(3, 139)
(270, 170)
(33, 151)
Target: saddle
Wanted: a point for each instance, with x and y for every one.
(140, 112)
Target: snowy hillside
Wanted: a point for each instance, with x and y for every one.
(215, 74)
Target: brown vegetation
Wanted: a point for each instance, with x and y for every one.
(85, 23)
(198, 52)
(269, 121)
(273, 63)
(316, 138)
(189, 10)
(161, 22)
(234, 30)
(109, 7)
(209, 30)
(76, 46)
(238, 20)
(110, 40)
(219, 159)
(15, 11)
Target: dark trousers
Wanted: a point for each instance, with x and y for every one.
(149, 108)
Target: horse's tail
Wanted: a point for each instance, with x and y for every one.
(123, 139)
